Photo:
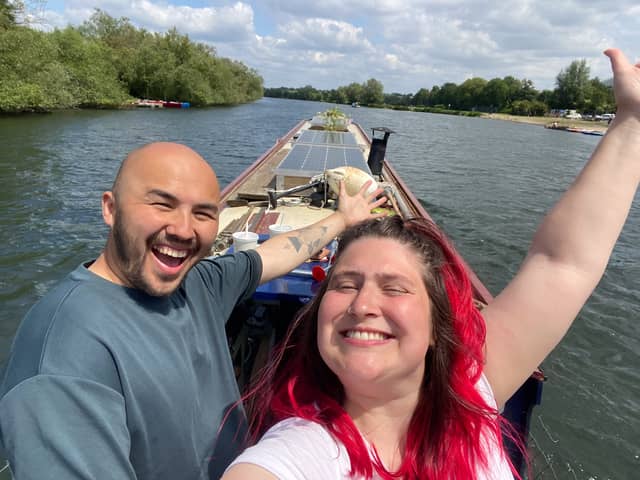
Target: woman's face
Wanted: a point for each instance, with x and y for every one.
(374, 321)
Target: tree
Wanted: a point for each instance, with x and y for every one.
(354, 92)
(20, 12)
(33, 79)
(528, 107)
(598, 98)
(470, 93)
(372, 92)
(514, 87)
(527, 90)
(446, 95)
(572, 84)
(421, 98)
(7, 14)
(397, 98)
(337, 95)
(94, 79)
(495, 94)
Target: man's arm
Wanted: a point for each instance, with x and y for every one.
(283, 253)
(65, 427)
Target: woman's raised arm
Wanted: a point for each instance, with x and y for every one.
(570, 249)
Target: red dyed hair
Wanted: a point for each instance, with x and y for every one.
(444, 436)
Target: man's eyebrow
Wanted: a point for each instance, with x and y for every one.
(162, 194)
(208, 206)
(173, 199)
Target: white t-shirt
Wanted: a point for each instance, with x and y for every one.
(297, 449)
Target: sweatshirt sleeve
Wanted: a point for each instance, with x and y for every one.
(55, 427)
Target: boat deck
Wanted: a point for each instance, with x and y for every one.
(246, 203)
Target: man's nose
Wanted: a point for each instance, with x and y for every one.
(181, 225)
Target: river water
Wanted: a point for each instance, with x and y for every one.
(486, 182)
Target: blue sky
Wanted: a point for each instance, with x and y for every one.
(406, 44)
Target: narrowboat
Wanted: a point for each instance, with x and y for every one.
(287, 188)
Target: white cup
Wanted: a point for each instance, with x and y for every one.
(277, 229)
(244, 241)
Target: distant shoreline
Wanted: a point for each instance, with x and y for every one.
(599, 126)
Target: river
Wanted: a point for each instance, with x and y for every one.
(486, 182)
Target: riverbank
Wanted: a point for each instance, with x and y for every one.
(566, 122)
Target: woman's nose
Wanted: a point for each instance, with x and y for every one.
(365, 303)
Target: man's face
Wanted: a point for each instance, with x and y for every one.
(164, 219)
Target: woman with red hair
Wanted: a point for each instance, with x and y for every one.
(392, 372)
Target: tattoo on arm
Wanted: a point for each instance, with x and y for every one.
(297, 244)
(313, 245)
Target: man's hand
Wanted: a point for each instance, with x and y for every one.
(356, 208)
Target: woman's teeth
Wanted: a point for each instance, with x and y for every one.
(360, 335)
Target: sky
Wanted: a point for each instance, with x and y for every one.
(406, 45)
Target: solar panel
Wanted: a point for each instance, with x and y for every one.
(323, 137)
(306, 160)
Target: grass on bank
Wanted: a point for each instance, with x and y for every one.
(565, 122)
(534, 120)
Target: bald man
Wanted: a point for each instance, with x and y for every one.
(122, 371)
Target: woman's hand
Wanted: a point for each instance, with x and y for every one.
(626, 85)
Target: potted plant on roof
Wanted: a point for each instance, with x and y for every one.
(332, 119)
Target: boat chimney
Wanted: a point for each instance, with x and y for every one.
(378, 149)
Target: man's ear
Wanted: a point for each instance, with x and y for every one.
(108, 208)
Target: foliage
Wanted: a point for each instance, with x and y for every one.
(107, 61)
(32, 77)
(506, 95)
(367, 93)
(7, 14)
(334, 119)
(372, 92)
(572, 84)
(529, 108)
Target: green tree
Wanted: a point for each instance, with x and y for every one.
(120, 36)
(600, 99)
(94, 78)
(527, 90)
(514, 88)
(7, 14)
(337, 95)
(421, 98)
(470, 93)
(528, 107)
(446, 95)
(354, 92)
(495, 94)
(396, 98)
(372, 92)
(32, 78)
(572, 84)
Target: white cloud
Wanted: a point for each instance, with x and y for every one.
(406, 44)
(227, 23)
(324, 34)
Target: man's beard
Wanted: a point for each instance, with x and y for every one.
(131, 261)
